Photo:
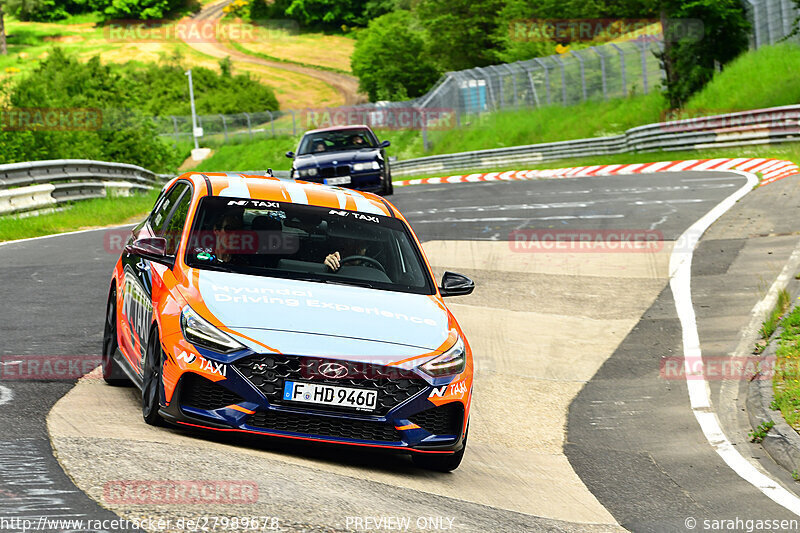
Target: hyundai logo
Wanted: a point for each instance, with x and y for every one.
(332, 370)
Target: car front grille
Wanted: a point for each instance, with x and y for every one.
(201, 393)
(269, 372)
(323, 426)
(332, 172)
(444, 420)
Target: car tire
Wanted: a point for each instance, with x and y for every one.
(388, 186)
(152, 383)
(112, 373)
(441, 463)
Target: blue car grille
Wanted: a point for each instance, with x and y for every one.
(323, 426)
(269, 372)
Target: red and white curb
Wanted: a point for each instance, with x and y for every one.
(770, 169)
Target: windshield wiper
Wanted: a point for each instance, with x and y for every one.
(351, 282)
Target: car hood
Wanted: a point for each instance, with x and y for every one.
(336, 158)
(310, 318)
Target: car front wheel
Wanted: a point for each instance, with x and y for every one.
(151, 380)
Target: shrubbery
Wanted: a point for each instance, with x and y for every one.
(128, 96)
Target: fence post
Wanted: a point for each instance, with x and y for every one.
(563, 80)
(756, 26)
(770, 36)
(175, 128)
(249, 128)
(224, 127)
(786, 16)
(533, 88)
(644, 67)
(425, 143)
(546, 79)
(602, 71)
(271, 122)
(294, 123)
(622, 69)
(583, 73)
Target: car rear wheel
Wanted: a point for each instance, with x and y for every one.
(441, 462)
(112, 373)
(151, 380)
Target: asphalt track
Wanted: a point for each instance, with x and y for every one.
(634, 453)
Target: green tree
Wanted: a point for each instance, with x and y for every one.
(690, 61)
(461, 33)
(391, 59)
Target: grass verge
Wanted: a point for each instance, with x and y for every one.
(786, 381)
(79, 215)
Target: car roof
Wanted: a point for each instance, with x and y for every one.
(340, 128)
(268, 188)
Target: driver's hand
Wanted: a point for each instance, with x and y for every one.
(332, 261)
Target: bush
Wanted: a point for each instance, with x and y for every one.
(391, 59)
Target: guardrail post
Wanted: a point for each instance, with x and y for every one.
(224, 127)
(249, 126)
(271, 122)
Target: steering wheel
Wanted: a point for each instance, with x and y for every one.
(369, 260)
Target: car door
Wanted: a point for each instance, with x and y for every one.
(138, 272)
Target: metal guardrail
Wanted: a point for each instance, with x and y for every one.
(762, 126)
(42, 184)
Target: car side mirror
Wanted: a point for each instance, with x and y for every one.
(456, 285)
(384, 144)
(290, 155)
(153, 248)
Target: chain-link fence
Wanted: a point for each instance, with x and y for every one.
(772, 20)
(600, 72)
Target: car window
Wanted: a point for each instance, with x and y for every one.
(286, 240)
(336, 141)
(159, 216)
(177, 220)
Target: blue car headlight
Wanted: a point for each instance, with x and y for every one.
(311, 172)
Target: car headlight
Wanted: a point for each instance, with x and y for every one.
(307, 172)
(372, 165)
(452, 362)
(199, 331)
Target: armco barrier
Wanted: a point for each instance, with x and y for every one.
(762, 126)
(40, 184)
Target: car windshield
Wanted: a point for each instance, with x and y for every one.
(280, 239)
(336, 141)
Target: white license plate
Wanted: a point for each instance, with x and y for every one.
(342, 180)
(317, 393)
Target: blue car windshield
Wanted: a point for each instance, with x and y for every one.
(335, 141)
(281, 239)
